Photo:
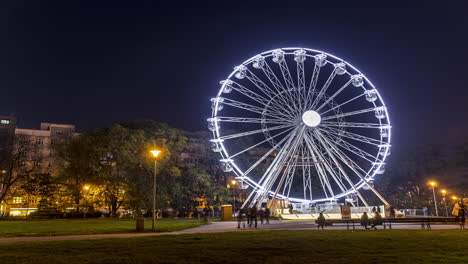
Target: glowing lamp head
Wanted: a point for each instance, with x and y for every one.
(233, 182)
(311, 118)
(454, 197)
(443, 192)
(432, 183)
(155, 153)
(86, 187)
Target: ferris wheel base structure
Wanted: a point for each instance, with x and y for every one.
(301, 125)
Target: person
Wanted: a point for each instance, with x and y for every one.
(239, 218)
(425, 211)
(373, 210)
(365, 219)
(377, 220)
(261, 214)
(249, 215)
(206, 213)
(290, 209)
(267, 215)
(392, 212)
(459, 212)
(320, 221)
(253, 216)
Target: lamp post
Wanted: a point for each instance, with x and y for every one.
(433, 183)
(234, 187)
(155, 155)
(444, 192)
(86, 188)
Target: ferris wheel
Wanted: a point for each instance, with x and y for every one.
(302, 125)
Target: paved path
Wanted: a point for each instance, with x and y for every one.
(216, 227)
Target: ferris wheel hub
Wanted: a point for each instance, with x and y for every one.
(311, 118)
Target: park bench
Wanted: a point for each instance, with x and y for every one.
(425, 222)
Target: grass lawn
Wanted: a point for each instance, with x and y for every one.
(382, 246)
(11, 228)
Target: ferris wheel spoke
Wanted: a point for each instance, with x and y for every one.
(232, 119)
(271, 179)
(323, 90)
(349, 163)
(351, 124)
(268, 153)
(253, 132)
(323, 142)
(313, 83)
(340, 105)
(255, 109)
(260, 143)
(354, 136)
(265, 88)
(330, 170)
(291, 168)
(353, 149)
(320, 171)
(306, 174)
(334, 95)
(300, 79)
(249, 93)
(358, 112)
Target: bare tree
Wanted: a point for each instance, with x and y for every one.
(18, 160)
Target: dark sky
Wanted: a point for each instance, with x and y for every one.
(95, 63)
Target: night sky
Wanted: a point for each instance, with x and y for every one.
(95, 63)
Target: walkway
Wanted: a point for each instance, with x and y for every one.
(215, 227)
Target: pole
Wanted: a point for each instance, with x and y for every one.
(446, 210)
(234, 201)
(154, 196)
(435, 201)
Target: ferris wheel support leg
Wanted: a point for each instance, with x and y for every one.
(269, 182)
(321, 140)
(354, 169)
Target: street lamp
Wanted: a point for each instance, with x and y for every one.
(444, 192)
(433, 184)
(85, 210)
(234, 182)
(155, 155)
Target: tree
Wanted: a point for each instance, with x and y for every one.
(18, 161)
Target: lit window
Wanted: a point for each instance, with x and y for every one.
(5, 121)
(17, 200)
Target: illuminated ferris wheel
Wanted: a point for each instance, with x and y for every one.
(302, 125)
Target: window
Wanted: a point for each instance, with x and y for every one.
(39, 141)
(17, 200)
(5, 121)
(59, 133)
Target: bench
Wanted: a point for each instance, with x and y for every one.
(387, 222)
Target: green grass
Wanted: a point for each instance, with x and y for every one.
(382, 246)
(12, 228)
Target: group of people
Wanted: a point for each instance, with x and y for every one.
(252, 214)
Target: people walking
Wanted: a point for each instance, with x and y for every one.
(365, 219)
(320, 221)
(261, 214)
(267, 215)
(253, 216)
(249, 215)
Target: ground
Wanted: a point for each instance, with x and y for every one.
(89, 226)
(306, 246)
